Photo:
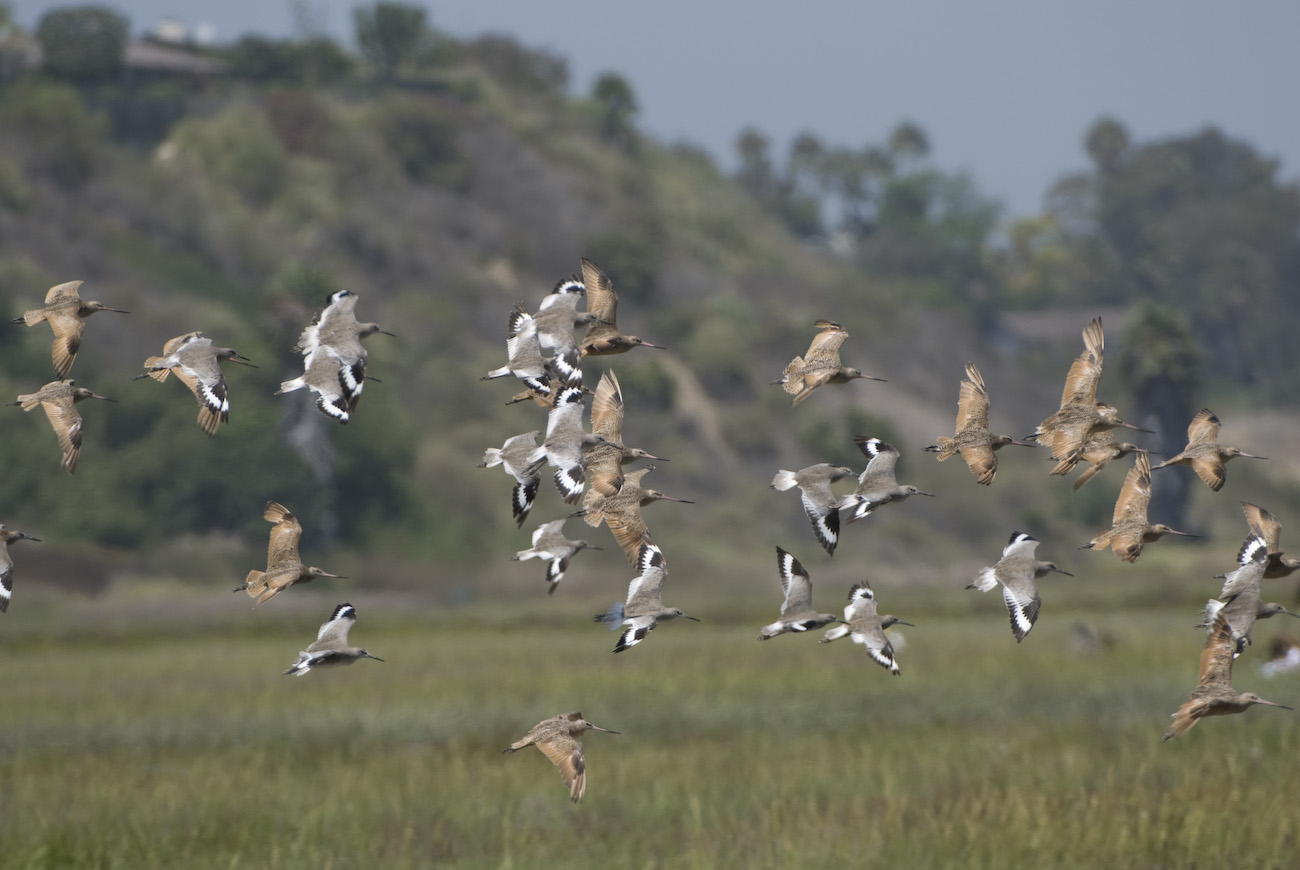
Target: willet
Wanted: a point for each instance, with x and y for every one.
(1129, 528)
(558, 314)
(797, 613)
(1204, 453)
(196, 362)
(565, 442)
(876, 485)
(604, 461)
(337, 329)
(819, 503)
(603, 336)
(644, 608)
(550, 545)
(65, 311)
(523, 353)
(7, 537)
(1016, 571)
(621, 511)
(513, 456)
(330, 649)
(867, 627)
(1100, 448)
(557, 738)
(1264, 524)
(820, 365)
(1214, 695)
(284, 567)
(1080, 414)
(1240, 599)
(58, 399)
(973, 440)
(323, 376)
(335, 335)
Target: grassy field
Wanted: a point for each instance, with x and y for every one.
(174, 741)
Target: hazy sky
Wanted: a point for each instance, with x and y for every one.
(1005, 90)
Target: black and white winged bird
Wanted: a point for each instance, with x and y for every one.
(1016, 571)
(644, 608)
(513, 457)
(550, 545)
(876, 485)
(797, 612)
(330, 649)
(819, 503)
(866, 626)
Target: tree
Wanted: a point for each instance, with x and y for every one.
(1160, 360)
(84, 44)
(617, 107)
(390, 34)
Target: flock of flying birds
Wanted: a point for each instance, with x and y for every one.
(544, 355)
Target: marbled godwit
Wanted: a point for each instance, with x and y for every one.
(867, 627)
(1129, 528)
(1264, 524)
(558, 314)
(1016, 571)
(330, 649)
(1100, 448)
(820, 365)
(603, 336)
(644, 608)
(7, 537)
(565, 442)
(1080, 414)
(1214, 695)
(797, 612)
(1204, 453)
(557, 738)
(550, 545)
(196, 362)
(523, 353)
(621, 511)
(58, 399)
(973, 440)
(819, 503)
(605, 461)
(513, 456)
(65, 312)
(876, 485)
(284, 568)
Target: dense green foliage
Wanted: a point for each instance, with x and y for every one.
(444, 183)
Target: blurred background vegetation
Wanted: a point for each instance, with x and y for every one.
(229, 188)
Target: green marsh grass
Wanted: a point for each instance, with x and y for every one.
(146, 746)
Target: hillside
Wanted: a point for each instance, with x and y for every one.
(442, 201)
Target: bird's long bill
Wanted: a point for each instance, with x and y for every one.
(682, 500)
(1184, 534)
(1251, 456)
(1273, 704)
(868, 377)
(696, 619)
(900, 622)
(1066, 573)
(106, 308)
(1017, 443)
(1136, 428)
(105, 398)
(242, 360)
(335, 576)
(930, 494)
(369, 656)
(1283, 610)
(606, 730)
